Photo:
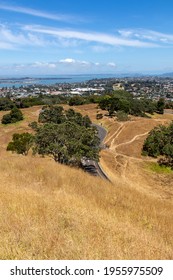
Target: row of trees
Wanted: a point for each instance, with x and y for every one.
(145, 105)
(26, 102)
(7, 104)
(65, 135)
(159, 143)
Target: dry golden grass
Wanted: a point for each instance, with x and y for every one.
(6, 131)
(50, 211)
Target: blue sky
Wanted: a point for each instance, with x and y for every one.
(78, 37)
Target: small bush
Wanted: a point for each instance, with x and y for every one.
(99, 116)
(122, 116)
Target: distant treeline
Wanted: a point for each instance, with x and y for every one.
(123, 101)
(127, 103)
(26, 102)
(112, 102)
(6, 103)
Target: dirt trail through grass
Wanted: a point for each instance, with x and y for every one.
(115, 135)
(132, 140)
(126, 162)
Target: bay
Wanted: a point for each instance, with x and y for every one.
(49, 79)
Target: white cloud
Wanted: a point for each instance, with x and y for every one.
(147, 35)
(7, 37)
(6, 46)
(67, 60)
(36, 13)
(16, 39)
(73, 62)
(43, 64)
(125, 33)
(67, 65)
(112, 64)
(88, 36)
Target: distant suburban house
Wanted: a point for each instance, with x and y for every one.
(118, 86)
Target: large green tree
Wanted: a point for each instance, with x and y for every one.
(67, 142)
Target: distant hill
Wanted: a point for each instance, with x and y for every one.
(169, 75)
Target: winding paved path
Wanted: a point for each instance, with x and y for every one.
(92, 166)
(101, 132)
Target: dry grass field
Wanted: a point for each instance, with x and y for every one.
(50, 211)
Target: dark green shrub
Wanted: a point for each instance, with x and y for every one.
(14, 116)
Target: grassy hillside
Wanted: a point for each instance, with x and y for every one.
(50, 211)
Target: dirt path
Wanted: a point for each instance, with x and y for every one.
(132, 140)
(122, 161)
(116, 133)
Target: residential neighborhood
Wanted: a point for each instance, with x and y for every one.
(150, 87)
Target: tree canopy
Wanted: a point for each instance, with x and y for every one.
(14, 116)
(6, 104)
(67, 142)
(21, 143)
(56, 114)
(124, 101)
(159, 143)
(65, 135)
(160, 106)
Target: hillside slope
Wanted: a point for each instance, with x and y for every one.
(51, 211)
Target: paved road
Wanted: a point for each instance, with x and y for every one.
(92, 166)
(101, 132)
